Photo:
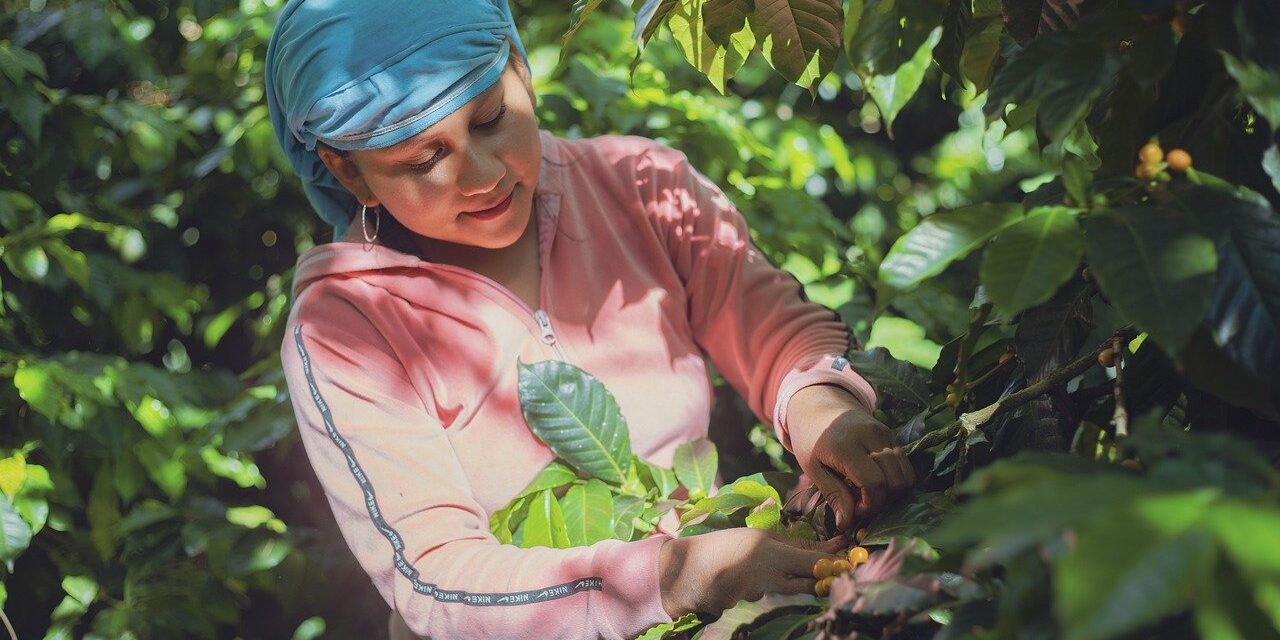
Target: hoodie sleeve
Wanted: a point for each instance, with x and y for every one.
(764, 337)
(404, 507)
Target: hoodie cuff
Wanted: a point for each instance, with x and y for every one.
(829, 369)
(631, 596)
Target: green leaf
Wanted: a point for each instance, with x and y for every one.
(500, 523)
(1122, 576)
(695, 466)
(745, 613)
(553, 476)
(310, 629)
(1244, 315)
(663, 478)
(103, 513)
(1271, 164)
(717, 62)
(257, 551)
(545, 526)
(588, 513)
(650, 16)
(942, 238)
(799, 38)
(725, 503)
(625, 510)
(724, 18)
(15, 533)
(892, 91)
(898, 379)
(582, 9)
(1226, 610)
(1027, 262)
(1154, 267)
(1064, 72)
(982, 43)
(668, 629)
(1244, 530)
(904, 339)
(573, 413)
(1260, 85)
(16, 63)
(13, 474)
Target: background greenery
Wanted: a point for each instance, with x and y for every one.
(153, 484)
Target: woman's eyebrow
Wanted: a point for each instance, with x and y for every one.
(413, 146)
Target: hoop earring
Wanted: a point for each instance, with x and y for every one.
(364, 224)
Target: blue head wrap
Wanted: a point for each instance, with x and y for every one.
(366, 75)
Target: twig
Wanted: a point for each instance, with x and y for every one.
(983, 378)
(1120, 418)
(974, 419)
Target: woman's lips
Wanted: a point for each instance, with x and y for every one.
(495, 210)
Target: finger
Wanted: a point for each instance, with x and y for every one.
(838, 494)
(832, 546)
(793, 561)
(795, 585)
(892, 472)
(867, 476)
(908, 471)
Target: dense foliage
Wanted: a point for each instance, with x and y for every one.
(960, 179)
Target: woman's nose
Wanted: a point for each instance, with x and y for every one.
(482, 171)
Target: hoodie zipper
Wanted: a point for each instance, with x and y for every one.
(548, 334)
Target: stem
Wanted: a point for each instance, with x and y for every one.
(983, 378)
(1120, 418)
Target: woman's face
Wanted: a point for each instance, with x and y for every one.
(475, 158)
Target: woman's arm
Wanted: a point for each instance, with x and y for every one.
(785, 355)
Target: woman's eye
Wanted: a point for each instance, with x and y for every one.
(424, 167)
(501, 112)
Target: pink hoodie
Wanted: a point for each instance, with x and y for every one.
(403, 379)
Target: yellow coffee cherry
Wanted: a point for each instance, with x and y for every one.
(1150, 153)
(840, 567)
(858, 555)
(1179, 160)
(823, 568)
(823, 587)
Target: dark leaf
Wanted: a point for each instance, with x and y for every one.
(897, 378)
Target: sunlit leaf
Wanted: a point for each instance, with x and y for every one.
(695, 466)
(588, 513)
(573, 413)
(1027, 262)
(942, 238)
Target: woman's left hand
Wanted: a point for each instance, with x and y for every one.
(848, 454)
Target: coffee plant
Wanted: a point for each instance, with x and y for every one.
(1049, 224)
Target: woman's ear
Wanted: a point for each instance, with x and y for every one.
(344, 168)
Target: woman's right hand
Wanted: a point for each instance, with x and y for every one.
(711, 572)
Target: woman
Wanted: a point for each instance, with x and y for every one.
(466, 239)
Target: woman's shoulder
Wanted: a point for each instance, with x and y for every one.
(613, 150)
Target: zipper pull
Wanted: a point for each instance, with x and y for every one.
(544, 324)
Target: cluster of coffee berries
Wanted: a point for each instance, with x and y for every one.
(825, 570)
(1153, 162)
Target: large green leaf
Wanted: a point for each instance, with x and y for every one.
(1227, 610)
(1244, 316)
(718, 62)
(15, 533)
(1123, 575)
(1260, 85)
(724, 18)
(695, 465)
(588, 513)
(799, 38)
(892, 46)
(1155, 267)
(942, 238)
(898, 379)
(892, 91)
(545, 526)
(573, 413)
(649, 16)
(904, 339)
(1028, 261)
(1064, 72)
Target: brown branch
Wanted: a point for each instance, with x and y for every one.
(966, 346)
(968, 422)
